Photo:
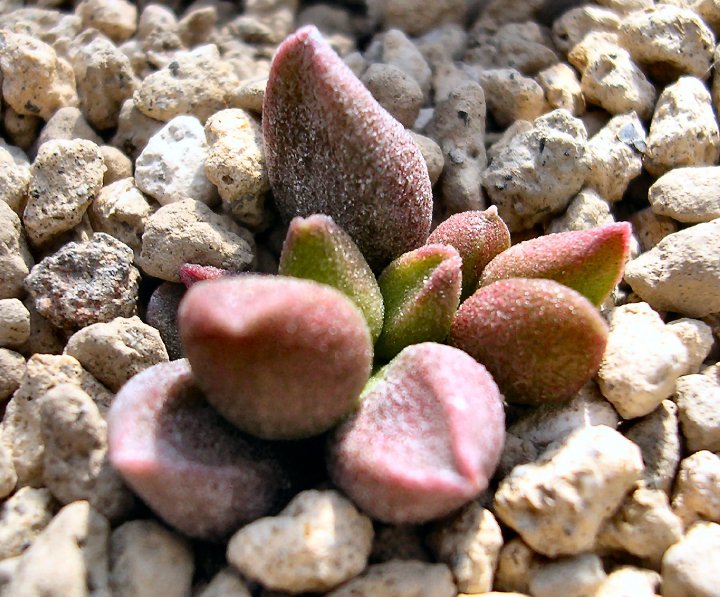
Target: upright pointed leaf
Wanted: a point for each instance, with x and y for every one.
(421, 290)
(317, 249)
(332, 149)
(478, 236)
(589, 261)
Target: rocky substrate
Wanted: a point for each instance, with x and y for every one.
(132, 145)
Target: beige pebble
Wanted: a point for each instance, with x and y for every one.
(400, 578)
(512, 96)
(575, 576)
(516, 562)
(14, 323)
(69, 557)
(562, 88)
(189, 232)
(629, 581)
(643, 359)
(650, 228)
(695, 497)
(148, 560)
(316, 543)
(558, 503)
(587, 210)
(688, 195)
(469, 543)
(697, 337)
(573, 25)
(692, 566)
(12, 370)
(432, 152)
(115, 18)
(117, 165)
(395, 91)
(8, 476)
(226, 583)
(67, 123)
(416, 17)
(697, 397)
(14, 180)
(683, 131)
(22, 517)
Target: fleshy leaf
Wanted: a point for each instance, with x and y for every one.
(332, 149)
(425, 439)
(478, 236)
(421, 290)
(589, 261)
(195, 470)
(280, 358)
(540, 340)
(190, 273)
(317, 249)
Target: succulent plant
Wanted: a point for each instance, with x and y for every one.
(589, 261)
(280, 358)
(478, 236)
(317, 249)
(421, 290)
(332, 149)
(179, 455)
(426, 438)
(289, 356)
(540, 339)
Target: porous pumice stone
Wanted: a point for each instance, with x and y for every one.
(425, 439)
(197, 472)
(280, 358)
(540, 340)
(332, 149)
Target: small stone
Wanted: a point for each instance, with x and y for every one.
(146, 559)
(515, 566)
(587, 210)
(511, 96)
(433, 154)
(8, 476)
(628, 581)
(14, 323)
(614, 82)
(235, 164)
(171, 167)
(121, 210)
(35, 81)
(644, 526)
(12, 370)
(650, 228)
(615, 156)
(559, 503)
(75, 464)
(115, 351)
(197, 26)
(115, 18)
(69, 557)
(539, 171)
(250, 95)
(399, 50)
(695, 497)
(226, 583)
(134, 130)
(683, 131)
(22, 517)
(669, 41)
(105, 79)
(195, 83)
(395, 91)
(117, 165)
(21, 429)
(188, 231)
(697, 337)
(692, 566)
(681, 273)
(572, 26)
(162, 315)
(44, 338)
(458, 126)
(416, 18)
(157, 29)
(316, 543)
(698, 397)
(20, 129)
(523, 46)
(14, 179)
(576, 576)
(562, 88)
(66, 176)
(67, 123)
(642, 361)
(469, 543)
(400, 578)
(85, 283)
(658, 437)
(688, 195)
(15, 257)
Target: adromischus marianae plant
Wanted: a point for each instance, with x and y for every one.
(289, 357)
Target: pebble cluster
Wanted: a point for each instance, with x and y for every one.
(132, 144)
